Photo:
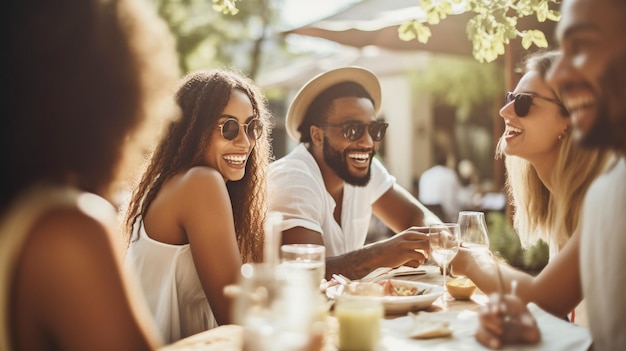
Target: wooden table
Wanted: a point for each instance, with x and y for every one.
(229, 337)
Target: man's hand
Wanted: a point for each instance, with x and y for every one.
(409, 247)
(506, 320)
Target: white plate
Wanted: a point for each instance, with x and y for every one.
(401, 304)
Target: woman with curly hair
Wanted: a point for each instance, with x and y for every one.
(198, 210)
(85, 79)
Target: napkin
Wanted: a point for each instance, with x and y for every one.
(427, 325)
(556, 334)
(383, 273)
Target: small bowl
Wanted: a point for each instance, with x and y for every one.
(461, 288)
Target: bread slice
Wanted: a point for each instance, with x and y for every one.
(427, 325)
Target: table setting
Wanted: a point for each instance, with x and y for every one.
(396, 328)
(403, 308)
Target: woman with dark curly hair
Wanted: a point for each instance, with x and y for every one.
(83, 77)
(198, 211)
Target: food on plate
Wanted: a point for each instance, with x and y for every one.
(427, 325)
(398, 288)
(363, 289)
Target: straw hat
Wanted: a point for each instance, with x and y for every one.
(323, 81)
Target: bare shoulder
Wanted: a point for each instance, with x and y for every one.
(90, 222)
(67, 249)
(72, 239)
(198, 184)
(199, 179)
(69, 277)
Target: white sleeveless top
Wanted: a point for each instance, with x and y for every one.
(170, 284)
(15, 224)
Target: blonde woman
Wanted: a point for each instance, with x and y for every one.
(547, 178)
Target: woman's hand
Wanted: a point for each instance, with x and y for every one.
(506, 320)
(466, 258)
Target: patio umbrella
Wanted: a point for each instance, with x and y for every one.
(376, 22)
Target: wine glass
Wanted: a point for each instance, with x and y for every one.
(444, 245)
(473, 230)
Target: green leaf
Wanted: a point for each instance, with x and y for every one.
(554, 15)
(414, 29)
(406, 31)
(492, 26)
(432, 17)
(536, 37)
(423, 34)
(226, 7)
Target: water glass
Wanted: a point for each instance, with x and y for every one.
(308, 258)
(276, 306)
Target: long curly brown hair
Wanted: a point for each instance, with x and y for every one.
(202, 96)
(83, 78)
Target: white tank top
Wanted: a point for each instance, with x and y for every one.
(170, 284)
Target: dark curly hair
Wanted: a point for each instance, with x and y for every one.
(202, 96)
(82, 76)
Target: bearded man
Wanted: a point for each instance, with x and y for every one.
(331, 184)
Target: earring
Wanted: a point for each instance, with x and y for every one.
(563, 134)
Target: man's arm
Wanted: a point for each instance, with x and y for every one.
(392, 252)
(399, 210)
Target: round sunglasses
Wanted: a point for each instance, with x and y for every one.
(230, 129)
(353, 131)
(524, 100)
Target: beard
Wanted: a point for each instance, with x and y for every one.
(600, 135)
(336, 160)
(609, 129)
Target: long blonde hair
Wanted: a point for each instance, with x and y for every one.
(539, 213)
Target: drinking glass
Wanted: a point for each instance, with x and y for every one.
(473, 230)
(358, 320)
(276, 306)
(310, 258)
(444, 245)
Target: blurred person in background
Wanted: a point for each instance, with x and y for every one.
(198, 210)
(440, 187)
(470, 194)
(85, 80)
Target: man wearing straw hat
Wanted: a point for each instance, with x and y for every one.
(329, 186)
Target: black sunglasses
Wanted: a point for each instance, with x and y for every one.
(230, 129)
(353, 131)
(524, 100)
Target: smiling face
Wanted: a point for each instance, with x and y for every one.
(349, 160)
(534, 137)
(591, 75)
(229, 157)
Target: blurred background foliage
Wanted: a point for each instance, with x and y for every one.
(455, 81)
(505, 243)
(226, 33)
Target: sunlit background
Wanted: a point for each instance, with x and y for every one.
(436, 96)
